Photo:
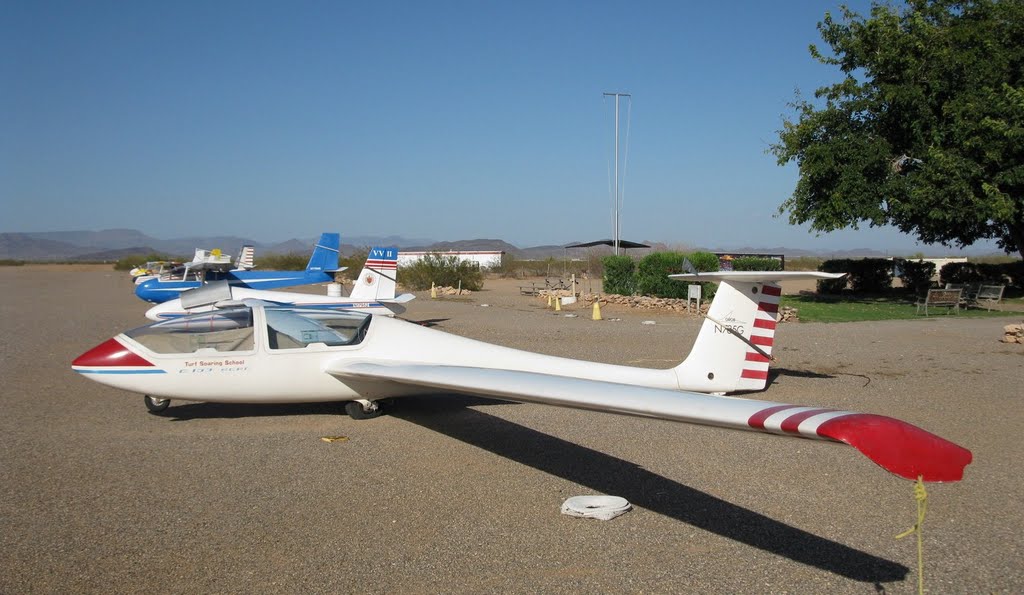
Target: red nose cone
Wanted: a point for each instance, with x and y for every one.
(109, 353)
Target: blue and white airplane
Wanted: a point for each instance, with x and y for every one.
(373, 293)
(321, 268)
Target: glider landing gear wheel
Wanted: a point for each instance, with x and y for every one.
(156, 405)
(363, 409)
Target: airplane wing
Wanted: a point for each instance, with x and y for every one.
(898, 447)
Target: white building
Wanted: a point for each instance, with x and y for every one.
(481, 258)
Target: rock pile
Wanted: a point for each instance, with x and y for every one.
(643, 302)
(788, 314)
(451, 291)
(1013, 333)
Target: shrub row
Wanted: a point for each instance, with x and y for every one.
(442, 270)
(756, 263)
(874, 275)
(649, 276)
(1008, 273)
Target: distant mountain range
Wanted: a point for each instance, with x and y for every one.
(113, 244)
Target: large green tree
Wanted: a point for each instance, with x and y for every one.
(925, 131)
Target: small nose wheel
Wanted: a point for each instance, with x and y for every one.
(363, 409)
(156, 405)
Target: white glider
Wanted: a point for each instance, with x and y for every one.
(373, 293)
(262, 353)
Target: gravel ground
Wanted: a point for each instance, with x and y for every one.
(456, 494)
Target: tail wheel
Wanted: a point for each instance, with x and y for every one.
(363, 410)
(156, 405)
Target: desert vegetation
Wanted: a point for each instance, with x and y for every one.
(443, 271)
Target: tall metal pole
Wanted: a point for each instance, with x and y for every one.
(616, 201)
(616, 206)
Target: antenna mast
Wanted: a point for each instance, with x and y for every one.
(617, 194)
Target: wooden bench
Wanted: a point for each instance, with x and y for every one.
(530, 289)
(947, 298)
(989, 296)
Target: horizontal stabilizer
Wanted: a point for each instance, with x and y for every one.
(898, 447)
(756, 276)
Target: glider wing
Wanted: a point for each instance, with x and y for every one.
(897, 446)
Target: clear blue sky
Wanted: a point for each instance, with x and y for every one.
(441, 120)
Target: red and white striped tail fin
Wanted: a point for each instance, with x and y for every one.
(246, 258)
(734, 347)
(754, 375)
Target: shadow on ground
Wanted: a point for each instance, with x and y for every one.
(610, 475)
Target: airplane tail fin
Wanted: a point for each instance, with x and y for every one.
(325, 254)
(378, 278)
(246, 258)
(733, 350)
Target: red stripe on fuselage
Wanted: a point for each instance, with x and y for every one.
(765, 324)
(753, 356)
(755, 374)
(771, 290)
(768, 307)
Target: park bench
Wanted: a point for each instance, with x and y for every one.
(530, 289)
(989, 296)
(968, 293)
(948, 298)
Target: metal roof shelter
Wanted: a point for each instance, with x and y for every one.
(625, 244)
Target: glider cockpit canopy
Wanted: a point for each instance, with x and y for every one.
(232, 330)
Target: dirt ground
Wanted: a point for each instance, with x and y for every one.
(462, 495)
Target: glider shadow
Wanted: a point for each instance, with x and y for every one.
(428, 322)
(606, 474)
(775, 372)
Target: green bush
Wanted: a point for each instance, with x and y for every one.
(871, 275)
(704, 262)
(865, 275)
(652, 275)
(756, 263)
(835, 265)
(443, 271)
(619, 275)
(916, 275)
(1003, 273)
(624, 276)
(10, 262)
(509, 268)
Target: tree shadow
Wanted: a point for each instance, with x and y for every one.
(606, 474)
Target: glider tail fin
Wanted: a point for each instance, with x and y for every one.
(325, 254)
(734, 347)
(378, 278)
(246, 258)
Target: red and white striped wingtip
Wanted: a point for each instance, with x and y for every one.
(897, 446)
